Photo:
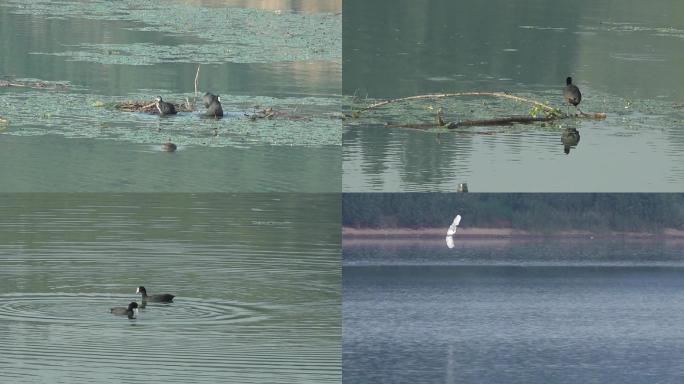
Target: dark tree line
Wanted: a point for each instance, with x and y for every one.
(524, 211)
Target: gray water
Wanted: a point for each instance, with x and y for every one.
(256, 279)
(91, 55)
(624, 56)
(585, 321)
(46, 163)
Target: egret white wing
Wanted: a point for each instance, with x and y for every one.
(450, 242)
(454, 225)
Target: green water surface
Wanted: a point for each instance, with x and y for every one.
(101, 53)
(256, 280)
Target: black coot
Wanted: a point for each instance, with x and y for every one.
(123, 311)
(208, 98)
(169, 147)
(213, 105)
(163, 107)
(572, 94)
(164, 298)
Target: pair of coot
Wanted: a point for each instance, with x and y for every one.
(131, 309)
(211, 102)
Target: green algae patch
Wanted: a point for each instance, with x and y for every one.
(236, 35)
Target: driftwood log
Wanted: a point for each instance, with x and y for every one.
(459, 94)
(549, 113)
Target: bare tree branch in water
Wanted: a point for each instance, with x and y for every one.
(550, 113)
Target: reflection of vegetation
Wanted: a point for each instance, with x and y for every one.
(541, 212)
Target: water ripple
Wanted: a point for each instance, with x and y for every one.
(93, 308)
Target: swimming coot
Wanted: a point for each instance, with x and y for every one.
(213, 105)
(169, 147)
(572, 94)
(164, 298)
(123, 311)
(163, 107)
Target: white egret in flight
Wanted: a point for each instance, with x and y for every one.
(454, 225)
(451, 231)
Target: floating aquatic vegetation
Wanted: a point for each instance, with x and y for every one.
(143, 106)
(34, 83)
(610, 26)
(638, 57)
(150, 108)
(80, 115)
(237, 35)
(543, 28)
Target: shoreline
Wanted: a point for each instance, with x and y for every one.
(504, 233)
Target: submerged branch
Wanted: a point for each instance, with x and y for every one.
(499, 121)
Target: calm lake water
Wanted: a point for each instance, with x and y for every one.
(583, 320)
(624, 56)
(257, 279)
(285, 55)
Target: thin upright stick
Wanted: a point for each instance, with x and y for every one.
(194, 100)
